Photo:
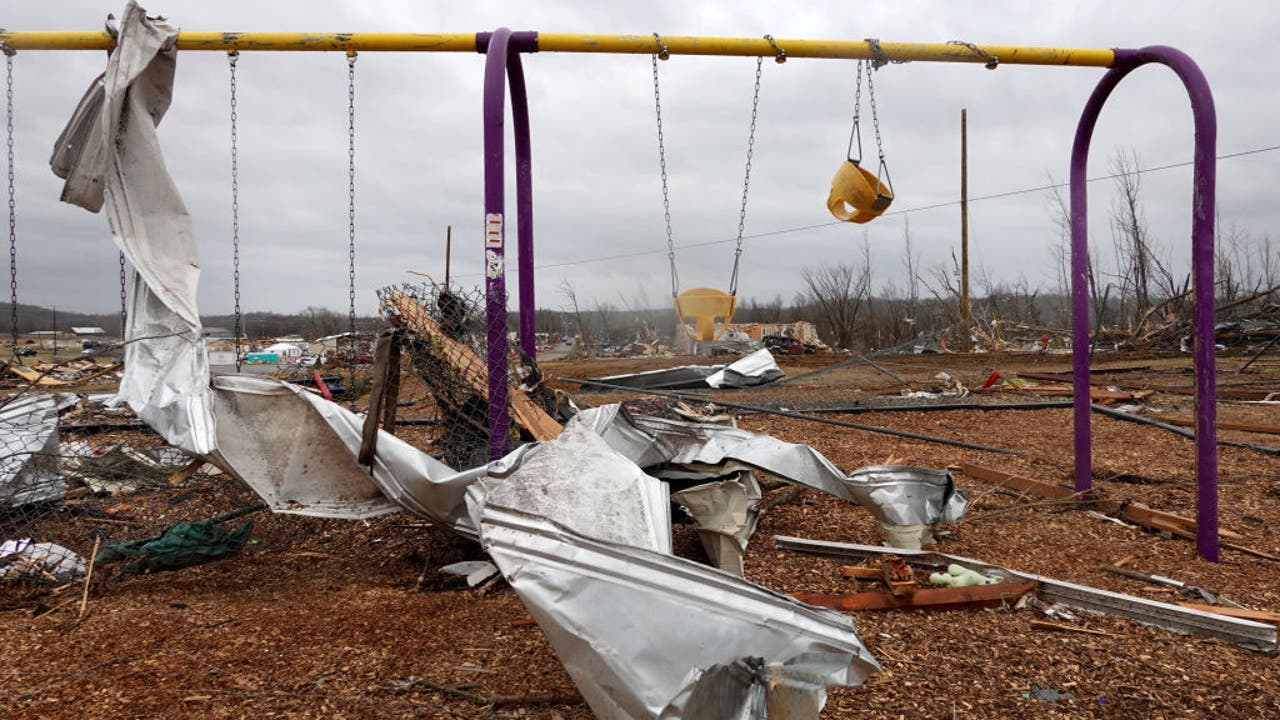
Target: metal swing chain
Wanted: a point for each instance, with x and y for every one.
(232, 58)
(13, 217)
(351, 214)
(875, 117)
(746, 178)
(855, 132)
(662, 163)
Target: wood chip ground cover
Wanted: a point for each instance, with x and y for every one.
(322, 618)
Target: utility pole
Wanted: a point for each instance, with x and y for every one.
(964, 214)
(55, 331)
(448, 249)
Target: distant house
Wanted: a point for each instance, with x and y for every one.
(87, 331)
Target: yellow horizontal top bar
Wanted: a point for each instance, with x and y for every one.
(847, 49)
(579, 43)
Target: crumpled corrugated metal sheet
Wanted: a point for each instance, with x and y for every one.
(677, 449)
(30, 466)
(712, 449)
(902, 495)
(585, 485)
(282, 445)
(119, 164)
(758, 368)
(726, 515)
(644, 634)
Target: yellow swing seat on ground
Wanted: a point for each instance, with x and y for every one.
(699, 309)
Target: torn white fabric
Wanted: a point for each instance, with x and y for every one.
(119, 164)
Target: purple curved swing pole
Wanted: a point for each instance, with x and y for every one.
(524, 205)
(495, 284)
(1202, 268)
(503, 63)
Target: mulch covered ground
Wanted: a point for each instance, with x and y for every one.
(353, 619)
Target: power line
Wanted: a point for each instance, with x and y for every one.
(920, 208)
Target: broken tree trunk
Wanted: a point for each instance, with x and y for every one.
(471, 367)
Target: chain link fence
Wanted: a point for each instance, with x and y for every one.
(444, 332)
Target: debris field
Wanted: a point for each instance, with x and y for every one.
(353, 618)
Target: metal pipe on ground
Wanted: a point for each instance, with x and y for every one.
(859, 409)
(798, 416)
(1190, 435)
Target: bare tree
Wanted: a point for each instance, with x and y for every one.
(319, 322)
(945, 288)
(1139, 271)
(570, 293)
(911, 263)
(839, 293)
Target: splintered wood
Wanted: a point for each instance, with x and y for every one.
(471, 367)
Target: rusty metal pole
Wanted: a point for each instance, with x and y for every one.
(964, 214)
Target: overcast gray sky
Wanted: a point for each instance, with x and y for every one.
(596, 189)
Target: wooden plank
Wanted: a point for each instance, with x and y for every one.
(471, 367)
(1266, 616)
(186, 472)
(1134, 512)
(1225, 425)
(1015, 482)
(861, 573)
(925, 597)
(377, 395)
(1095, 393)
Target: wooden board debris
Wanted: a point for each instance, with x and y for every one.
(924, 597)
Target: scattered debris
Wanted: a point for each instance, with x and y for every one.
(1246, 634)
(39, 561)
(959, 576)
(528, 414)
(475, 571)
(1184, 588)
(757, 368)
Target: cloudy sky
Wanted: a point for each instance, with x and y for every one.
(597, 192)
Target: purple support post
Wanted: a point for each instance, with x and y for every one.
(503, 64)
(495, 286)
(524, 206)
(1202, 269)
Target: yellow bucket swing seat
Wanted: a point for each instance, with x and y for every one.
(704, 313)
(858, 195)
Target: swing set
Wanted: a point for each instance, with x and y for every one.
(856, 194)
